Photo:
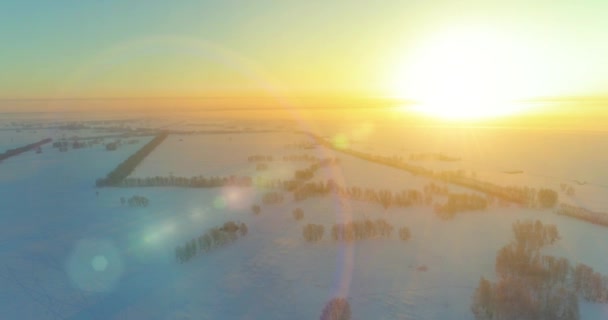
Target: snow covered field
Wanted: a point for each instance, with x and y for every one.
(68, 253)
(222, 155)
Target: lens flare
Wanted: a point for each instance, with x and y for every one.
(95, 265)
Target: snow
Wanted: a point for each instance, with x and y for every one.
(189, 155)
(67, 253)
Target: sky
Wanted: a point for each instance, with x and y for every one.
(406, 49)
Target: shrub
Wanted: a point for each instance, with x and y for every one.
(313, 232)
(230, 226)
(243, 229)
(214, 238)
(138, 201)
(256, 209)
(298, 214)
(361, 230)
(272, 198)
(405, 234)
(547, 198)
(336, 309)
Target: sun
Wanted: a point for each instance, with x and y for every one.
(462, 74)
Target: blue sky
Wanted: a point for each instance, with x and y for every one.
(299, 46)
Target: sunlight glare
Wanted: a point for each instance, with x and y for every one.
(465, 73)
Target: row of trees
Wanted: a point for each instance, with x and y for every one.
(313, 232)
(460, 202)
(354, 231)
(125, 168)
(522, 195)
(598, 218)
(301, 158)
(435, 189)
(79, 143)
(308, 173)
(212, 239)
(301, 145)
(384, 197)
(261, 167)
(13, 152)
(260, 158)
(361, 230)
(135, 201)
(285, 158)
(272, 197)
(191, 182)
(300, 177)
(432, 156)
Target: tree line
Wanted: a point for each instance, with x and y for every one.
(355, 230)
(125, 168)
(361, 230)
(300, 176)
(432, 156)
(580, 213)
(13, 152)
(522, 195)
(212, 239)
(460, 202)
(313, 232)
(135, 201)
(190, 182)
(285, 158)
(272, 197)
(384, 197)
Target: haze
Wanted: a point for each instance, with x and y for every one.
(303, 160)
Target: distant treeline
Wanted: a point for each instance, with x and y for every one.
(125, 168)
(212, 239)
(361, 230)
(300, 176)
(190, 182)
(384, 197)
(456, 202)
(598, 218)
(432, 156)
(13, 152)
(460, 202)
(286, 158)
(521, 195)
(135, 201)
(354, 231)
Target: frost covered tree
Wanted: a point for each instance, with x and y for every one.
(336, 309)
(482, 306)
(405, 234)
(298, 214)
(313, 232)
(256, 209)
(243, 229)
(547, 198)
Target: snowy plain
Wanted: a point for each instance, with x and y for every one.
(67, 252)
